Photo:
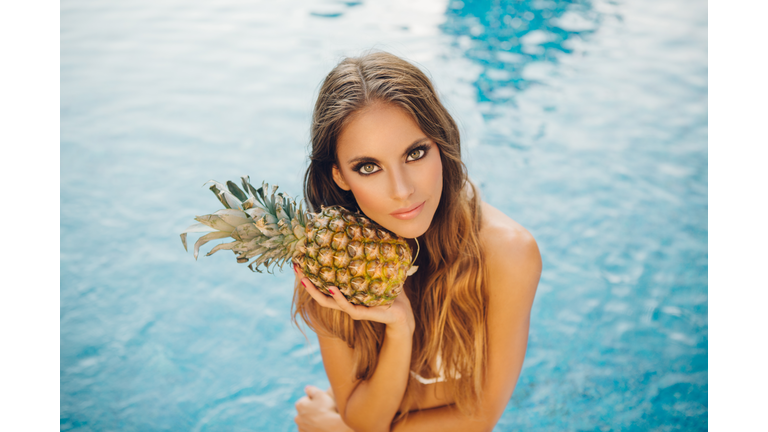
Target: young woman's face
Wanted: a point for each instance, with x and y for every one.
(392, 167)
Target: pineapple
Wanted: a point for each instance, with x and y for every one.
(334, 247)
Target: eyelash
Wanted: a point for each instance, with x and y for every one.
(422, 147)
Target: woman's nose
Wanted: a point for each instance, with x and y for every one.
(402, 186)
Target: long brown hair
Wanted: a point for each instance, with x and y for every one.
(450, 302)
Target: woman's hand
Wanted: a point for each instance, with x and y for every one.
(317, 412)
(398, 316)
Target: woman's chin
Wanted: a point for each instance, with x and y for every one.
(409, 231)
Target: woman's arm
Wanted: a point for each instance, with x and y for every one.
(368, 405)
(372, 404)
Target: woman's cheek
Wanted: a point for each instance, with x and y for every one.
(369, 197)
(432, 181)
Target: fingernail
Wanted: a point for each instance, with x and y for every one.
(303, 283)
(331, 291)
(295, 270)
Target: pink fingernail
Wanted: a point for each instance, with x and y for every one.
(302, 282)
(332, 293)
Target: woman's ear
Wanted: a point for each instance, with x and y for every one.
(339, 179)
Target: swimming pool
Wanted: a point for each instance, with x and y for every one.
(584, 121)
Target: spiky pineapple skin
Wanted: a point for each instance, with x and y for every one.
(334, 247)
(368, 263)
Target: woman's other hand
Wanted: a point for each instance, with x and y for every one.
(398, 316)
(316, 412)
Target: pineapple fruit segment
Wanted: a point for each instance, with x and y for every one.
(365, 261)
(334, 247)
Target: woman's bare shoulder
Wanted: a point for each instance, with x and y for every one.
(510, 251)
(500, 234)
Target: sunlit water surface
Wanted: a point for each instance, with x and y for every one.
(584, 121)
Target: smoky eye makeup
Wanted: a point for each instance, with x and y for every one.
(417, 151)
(366, 168)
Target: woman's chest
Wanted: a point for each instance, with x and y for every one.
(427, 388)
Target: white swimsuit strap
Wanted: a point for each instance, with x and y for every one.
(441, 378)
(423, 380)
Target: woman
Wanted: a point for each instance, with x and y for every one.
(447, 353)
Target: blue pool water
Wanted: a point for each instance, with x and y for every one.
(586, 121)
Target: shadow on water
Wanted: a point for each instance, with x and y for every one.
(504, 37)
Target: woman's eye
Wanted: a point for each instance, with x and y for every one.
(368, 168)
(416, 154)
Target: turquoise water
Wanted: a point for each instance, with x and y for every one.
(584, 121)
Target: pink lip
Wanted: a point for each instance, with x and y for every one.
(408, 212)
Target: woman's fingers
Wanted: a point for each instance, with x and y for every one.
(312, 391)
(297, 270)
(319, 297)
(360, 312)
(301, 403)
(336, 301)
(384, 314)
(344, 304)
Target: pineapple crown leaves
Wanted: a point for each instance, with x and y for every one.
(268, 228)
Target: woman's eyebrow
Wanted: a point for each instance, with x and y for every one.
(368, 159)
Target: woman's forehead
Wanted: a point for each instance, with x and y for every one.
(379, 131)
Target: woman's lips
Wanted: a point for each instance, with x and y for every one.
(408, 213)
